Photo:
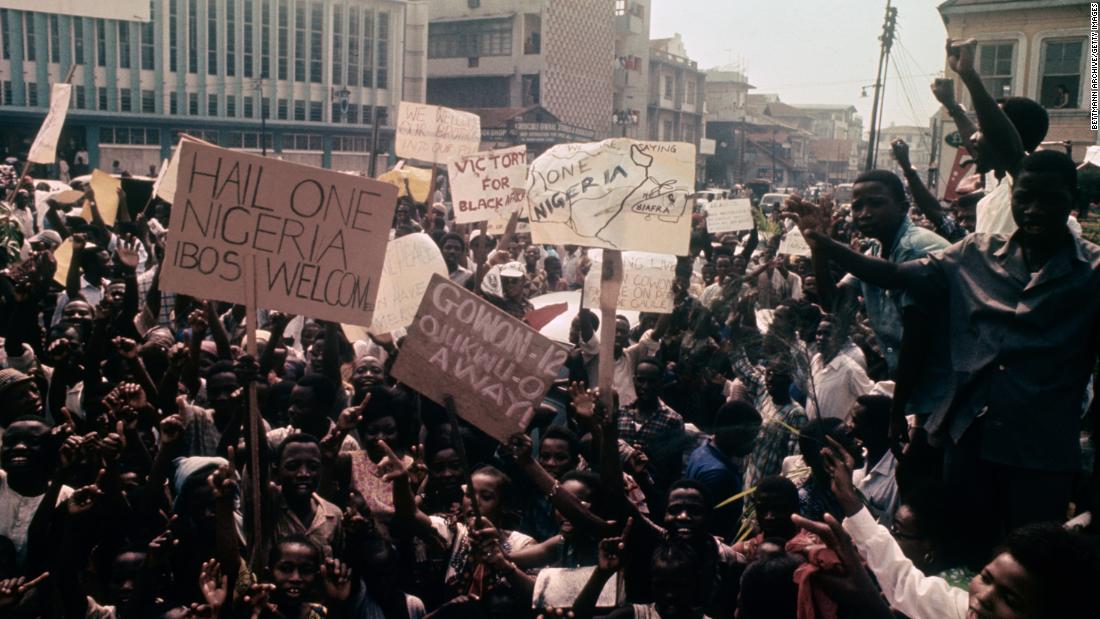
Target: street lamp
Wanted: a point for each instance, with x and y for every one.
(342, 96)
(259, 86)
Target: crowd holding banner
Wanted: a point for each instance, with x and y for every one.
(260, 389)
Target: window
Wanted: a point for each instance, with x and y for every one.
(249, 25)
(81, 94)
(265, 107)
(383, 49)
(620, 7)
(193, 37)
(248, 107)
(1061, 81)
(8, 94)
(668, 86)
(193, 103)
(4, 37)
(337, 45)
(101, 42)
(173, 35)
(32, 94)
(353, 45)
(211, 105)
(532, 33)
(300, 41)
(265, 39)
(689, 90)
(282, 109)
(77, 41)
(368, 49)
(383, 116)
(366, 114)
(29, 51)
(299, 110)
(231, 106)
(316, 111)
(246, 139)
(230, 37)
(101, 98)
(351, 144)
(302, 141)
(464, 39)
(125, 104)
(123, 45)
(211, 37)
(147, 39)
(531, 90)
(473, 4)
(129, 135)
(55, 40)
(283, 40)
(148, 101)
(995, 65)
(316, 20)
(173, 103)
(353, 113)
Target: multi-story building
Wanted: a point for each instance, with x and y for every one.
(1027, 48)
(919, 140)
(726, 96)
(299, 79)
(630, 104)
(520, 53)
(841, 126)
(677, 96)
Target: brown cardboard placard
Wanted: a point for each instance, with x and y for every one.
(497, 368)
(318, 237)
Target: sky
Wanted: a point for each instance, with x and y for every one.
(816, 51)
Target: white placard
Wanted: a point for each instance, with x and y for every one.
(488, 185)
(794, 244)
(44, 148)
(729, 216)
(647, 282)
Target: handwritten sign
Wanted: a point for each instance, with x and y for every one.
(794, 244)
(496, 368)
(647, 282)
(165, 186)
(729, 216)
(44, 147)
(435, 134)
(317, 238)
(488, 185)
(616, 194)
(410, 263)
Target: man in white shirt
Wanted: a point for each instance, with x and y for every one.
(876, 481)
(837, 377)
(627, 355)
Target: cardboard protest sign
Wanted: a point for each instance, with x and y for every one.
(63, 256)
(435, 134)
(409, 179)
(646, 286)
(616, 194)
(317, 239)
(488, 185)
(794, 244)
(559, 587)
(166, 179)
(105, 187)
(410, 263)
(44, 147)
(729, 216)
(496, 368)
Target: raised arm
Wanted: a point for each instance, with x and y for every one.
(922, 197)
(944, 91)
(996, 128)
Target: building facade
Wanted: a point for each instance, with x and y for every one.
(520, 53)
(919, 140)
(630, 103)
(299, 79)
(1028, 48)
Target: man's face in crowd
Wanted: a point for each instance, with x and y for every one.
(709, 271)
(453, 253)
(70, 334)
(809, 284)
(305, 412)
(125, 572)
(115, 293)
(914, 545)
(622, 333)
(367, 373)
(402, 214)
(22, 399)
(445, 469)
(77, 311)
(512, 287)
(675, 592)
(862, 427)
(583, 494)
(875, 212)
(299, 470)
(1040, 206)
(316, 356)
(219, 391)
(309, 333)
(555, 457)
(25, 447)
(773, 515)
(531, 255)
(552, 267)
(777, 380)
(487, 490)
(722, 267)
(686, 516)
(966, 214)
(738, 266)
(1003, 590)
(647, 383)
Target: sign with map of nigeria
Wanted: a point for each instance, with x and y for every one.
(616, 194)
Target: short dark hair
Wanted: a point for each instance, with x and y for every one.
(298, 437)
(779, 487)
(323, 389)
(691, 484)
(563, 433)
(1030, 119)
(451, 236)
(887, 178)
(504, 483)
(811, 438)
(1052, 162)
(294, 538)
(768, 588)
(736, 413)
(877, 405)
(1064, 565)
(220, 367)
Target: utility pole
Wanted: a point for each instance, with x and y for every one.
(887, 40)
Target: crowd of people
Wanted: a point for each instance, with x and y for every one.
(901, 424)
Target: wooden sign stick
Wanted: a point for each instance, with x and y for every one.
(27, 165)
(611, 282)
(253, 418)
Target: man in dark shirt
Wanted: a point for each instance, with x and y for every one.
(1022, 323)
(717, 464)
